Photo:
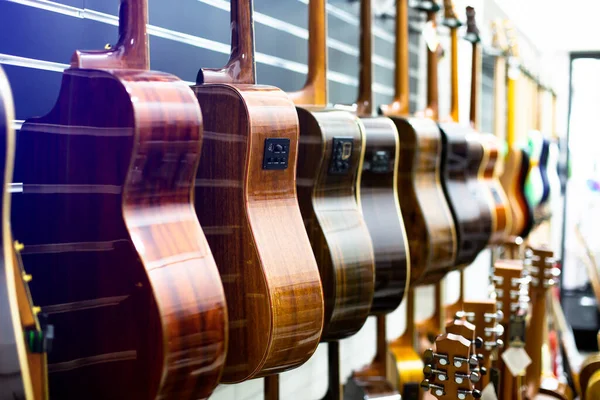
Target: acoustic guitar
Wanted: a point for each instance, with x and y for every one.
(511, 292)
(495, 211)
(517, 162)
(378, 198)
(452, 369)
(460, 162)
(110, 234)
(428, 221)
(377, 185)
(24, 336)
(534, 185)
(246, 201)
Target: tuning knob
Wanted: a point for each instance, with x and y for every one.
(474, 377)
(473, 362)
(476, 394)
(483, 371)
(428, 356)
(425, 385)
(478, 342)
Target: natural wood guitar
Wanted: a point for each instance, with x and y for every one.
(460, 163)
(120, 263)
(330, 150)
(246, 201)
(429, 225)
(23, 368)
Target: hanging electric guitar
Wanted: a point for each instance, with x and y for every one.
(24, 337)
(460, 162)
(246, 201)
(121, 265)
(429, 225)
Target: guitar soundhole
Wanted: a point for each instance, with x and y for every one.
(342, 153)
(276, 154)
(411, 391)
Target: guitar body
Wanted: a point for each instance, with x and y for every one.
(534, 184)
(17, 375)
(513, 182)
(458, 179)
(378, 199)
(428, 221)
(544, 158)
(522, 180)
(490, 172)
(255, 230)
(110, 235)
(331, 147)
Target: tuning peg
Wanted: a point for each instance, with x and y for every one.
(480, 357)
(553, 272)
(474, 376)
(473, 362)
(428, 356)
(428, 371)
(438, 390)
(463, 394)
(500, 343)
(483, 371)
(478, 342)
(498, 330)
(488, 317)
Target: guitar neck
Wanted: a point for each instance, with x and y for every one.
(364, 103)
(475, 85)
(454, 103)
(432, 76)
(535, 340)
(499, 96)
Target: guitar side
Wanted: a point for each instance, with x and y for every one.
(378, 200)
(121, 242)
(254, 227)
(430, 229)
(337, 231)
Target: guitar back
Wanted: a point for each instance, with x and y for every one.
(490, 172)
(378, 199)
(428, 221)
(110, 235)
(524, 173)
(459, 166)
(331, 147)
(544, 158)
(534, 184)
(249, 211)
(511, 185)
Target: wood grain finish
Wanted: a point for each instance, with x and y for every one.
(427, 219)
(252, 219)
(110, 233)
(377, 185)
(335, 225)
(16, 379)
(336, 228)
(513, 179)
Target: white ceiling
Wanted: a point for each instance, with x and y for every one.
(556, 25)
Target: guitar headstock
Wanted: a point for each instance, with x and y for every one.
(450, 18)
(499, 40)
(472, 29)
(542, 268)
(427, 6)
(450, 369)
(512, 40)
(512, 298)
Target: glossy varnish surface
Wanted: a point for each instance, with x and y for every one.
(117, 239)
(255, 230)
(110, 232)
(335, 225)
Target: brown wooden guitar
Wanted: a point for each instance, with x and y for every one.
(428, 221)
(330, 150)
(452, 368)
(246, 201)
(460, 163)
(377, 185)
(24, 339)
(120, 263)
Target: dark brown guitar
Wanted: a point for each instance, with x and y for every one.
(329, 155)
(246, 201)
(120, 263)
(377, 185)
(24, 339)
(428, 221)
(460, 163)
